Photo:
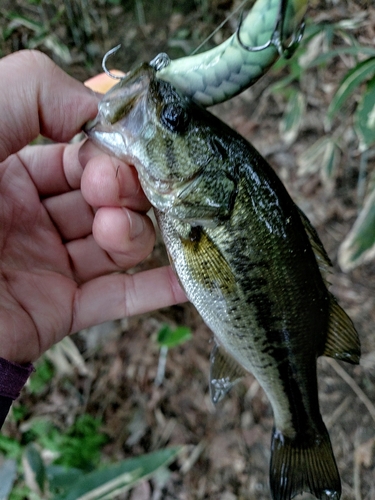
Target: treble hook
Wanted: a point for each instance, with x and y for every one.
(107, 72)
(277, 35)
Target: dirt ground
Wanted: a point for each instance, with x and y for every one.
(228, 446)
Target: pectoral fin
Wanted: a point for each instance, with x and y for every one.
(225, 372)
(342, 339)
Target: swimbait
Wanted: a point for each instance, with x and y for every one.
(223, 72)
(248, 259)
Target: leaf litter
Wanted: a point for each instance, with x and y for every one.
(228, 446)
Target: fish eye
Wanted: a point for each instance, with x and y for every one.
(174, 117)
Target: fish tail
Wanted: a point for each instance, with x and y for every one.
(303, 465)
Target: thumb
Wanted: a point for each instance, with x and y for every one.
(37, 97)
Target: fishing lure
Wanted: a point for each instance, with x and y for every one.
(218, 74)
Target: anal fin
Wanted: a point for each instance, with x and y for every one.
(225, 372)
(342, 338)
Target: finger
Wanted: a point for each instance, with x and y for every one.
(107, 181)
(89, 260)
(127, 236)
(71, 215)
(53, 168)
(121, 240)
(44, 100)
(121, 295)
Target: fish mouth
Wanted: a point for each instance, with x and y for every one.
(123, 114)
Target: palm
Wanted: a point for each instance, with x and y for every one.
(38, 281)
(57, 255)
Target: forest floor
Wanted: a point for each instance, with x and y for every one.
(228, 446)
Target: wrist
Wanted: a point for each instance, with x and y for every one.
(13, 377)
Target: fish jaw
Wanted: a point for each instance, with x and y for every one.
(123, 115)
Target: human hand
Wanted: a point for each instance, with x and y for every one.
(58, 256)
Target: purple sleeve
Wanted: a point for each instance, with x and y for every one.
(12, 378)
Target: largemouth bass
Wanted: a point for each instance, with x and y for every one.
(248, 259)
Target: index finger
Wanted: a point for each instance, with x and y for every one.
(40, 98)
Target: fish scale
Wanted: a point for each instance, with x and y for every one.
(248, 259)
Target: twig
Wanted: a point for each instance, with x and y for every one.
(337, 413)
(353, 385)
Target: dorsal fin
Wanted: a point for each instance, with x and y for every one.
(225, 372)
(324, 262)
(342, 338)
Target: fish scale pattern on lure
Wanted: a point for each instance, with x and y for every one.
(218, 74)
(248, 259)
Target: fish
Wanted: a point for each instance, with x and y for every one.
(248, 259)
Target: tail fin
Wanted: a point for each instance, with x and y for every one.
(298, 467)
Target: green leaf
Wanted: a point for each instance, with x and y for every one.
(350, 82)
(40, 379)
(118, 478)
(350, 51)
(323, 156)
(34, 469)
(330, 160)
(80, 446)
(364, 118)
(18, 20)
(293, 116)
(10, 447)
(359, 245)
(61, 477)
(8, 471)
(171, 338)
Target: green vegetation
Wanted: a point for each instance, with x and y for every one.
(50, 464)
(316, 51)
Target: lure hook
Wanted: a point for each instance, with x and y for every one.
(107, 72)
(160, 62)
(277, 35)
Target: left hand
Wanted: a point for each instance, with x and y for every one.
(57, 254)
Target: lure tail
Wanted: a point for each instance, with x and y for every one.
(299, 465)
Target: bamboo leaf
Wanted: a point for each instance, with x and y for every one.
(350, 51)
(364, 119)
(8, 472)
(310, 161)
(293, 116)
(34, 470)
(359, 245)
(330, 160)
(116, 479)
(350, 82)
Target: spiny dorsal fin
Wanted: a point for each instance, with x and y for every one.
(342, 338)
(225, 372)
(324, 262)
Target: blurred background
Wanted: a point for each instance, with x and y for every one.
(123, 410)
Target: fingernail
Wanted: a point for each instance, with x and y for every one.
(137, 224)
